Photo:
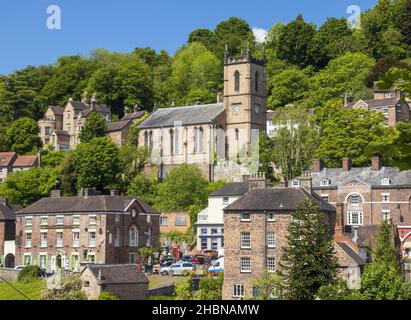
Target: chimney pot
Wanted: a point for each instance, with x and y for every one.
(57, 193)
(115, 192)
(347, 164)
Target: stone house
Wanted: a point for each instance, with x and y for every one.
(7, 233)
(125, 281)
(118, 131)
(67, 232)
(10, 161)
(202, 134)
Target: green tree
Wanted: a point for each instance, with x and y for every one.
(107, 296)
(338, 291)
(133, 161)
(94, 127)
(144, 189)
(191, 186)
(51, 158)
(309, 260)
(203, 36)
(22, 136)
(185, 289)
(295, 40)
(97, 165)
(398, 78)
(401, 150)
(384, 250)
(210, 288)
(269, 286)
(70, 289)
(29, 274)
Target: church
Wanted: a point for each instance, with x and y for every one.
(216, 137)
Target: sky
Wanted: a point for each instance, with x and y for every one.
(123, 25)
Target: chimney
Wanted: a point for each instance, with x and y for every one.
(57, 193)
(3, 200)
(283, 182)
(347, 164)
(246, 177)
(257, 181)
(219, 97)
(306, 181)
(339, 223)
(318, 165)
(93, 102)
(376, 163)
(84, 97)
(88, 192)
(114, 192)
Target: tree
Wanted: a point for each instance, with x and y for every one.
(295, 40)
(70, 289)
(210, 288)
(107, 296)
(51, 158)
(354, 134)
(398, 78)
(401, 150)
(190, 184)
(203, 36)
(133, 161)
(22, 136)
(382, 66)
(97, 165)
(384, 250)
(338, 291)
(269, 286)
(309, 259)
(144, 189)
(94, 127)
(27, 187)
(185, 289)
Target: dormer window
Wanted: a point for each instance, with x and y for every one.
(295, 183)
(385, 182)
(325, 183)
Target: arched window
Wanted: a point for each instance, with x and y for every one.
(237, 81)
(325, 183)
(146, 139)
(385, 182)
(171, 142)
(148, 235)
(237, 134)
(201, 141)
(133, 237)
(151, 140)
(256, 80)
(176, 133)
(117, 237)
(195, 140)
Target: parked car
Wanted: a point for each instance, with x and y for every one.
(217, 266)
(19, 268)
(199, 259)
(178, 269)
(210, 254)
(186, 259)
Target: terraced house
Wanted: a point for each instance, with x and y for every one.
(66, 232)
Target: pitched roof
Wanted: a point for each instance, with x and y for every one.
(118, 125)
(167, 117)
(82, 204)
(351, 253)
(25, 161)
(57, 110)
(338, 176)
(376, 103)
(7, 212)
(86, 108)
(61, 133)
(6, 158)
(118, 274)
(232, 189)
(276, 199)
(134, 116)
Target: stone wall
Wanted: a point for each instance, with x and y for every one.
(9, 274)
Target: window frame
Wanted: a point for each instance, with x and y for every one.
(271, 240)
(245, 265)
(242, 214)
(245, 240)
(271, 265)
(238, 290)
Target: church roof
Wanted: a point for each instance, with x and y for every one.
(190, 115)
(377, 103)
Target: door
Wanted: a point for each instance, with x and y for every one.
(59, 261)
(9, 261)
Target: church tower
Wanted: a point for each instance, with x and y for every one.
(245, 102)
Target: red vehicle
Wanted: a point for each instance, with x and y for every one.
(199, 259)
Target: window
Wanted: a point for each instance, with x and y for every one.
(256, 80)
(27, 259)
(171, 142)
(385, 182)
(355, 200)
(76, 220)
(237, 81)
(43, 261)
(355, 218)
(47, 131)
(204, 232)
(148, 235)
(92, 258)
(76, 239)
(245, 264)
(151, 143)
(68, 128)
(59, 239)
(146, 139)
(245, 240)
(295, 183)
(386, 215)
(271, 240)
(238, 291)
(44, 221)
(43, 240)
(214, 244)
(117, 218)
(195, 140)
(237, 135)
(204, 244)
(325, 197)
(92, 220)
(214, 231)
(180, 221)
(325, 183)
(245, 216)
(201, 141)
(222, 231)
(117, 238)
(271, 216)
(226, 200)
(271, 264)
(68, 115)
(133, 237)
(176, 150)
(28, 240)
(148, 218)
(164, 221)
(385, 197)
(29, 221)
(59, 220)
(92, 239)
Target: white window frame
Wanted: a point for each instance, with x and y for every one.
(43, 242)
(238, 290)
(323, 196)
(386, 215)
(245, 240)
(57, 220)
(385, 198)
(28, 243)
(76, 220)
(295, 183)
(385, 182)
(271, 267)
(245, 265)
(355, 196)
(26, 220)
(245, 214)
(350, 218)
(272, 214)
(271, 243)
(163, 221)
(92, 219)
(42, 223)
(325, 183)
(226, 200)
(92, 241)
(133, 244)
(148, 218)
(76, 244)
(59, 244)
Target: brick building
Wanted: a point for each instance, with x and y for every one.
(65, 232)
(125, 281)
(174, 221)
(10, 161)
(7, 233)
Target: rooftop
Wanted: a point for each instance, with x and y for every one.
(376, 103)
(25, 161)
(351, 253)
(118, 274)
(232, 189)
(6, 158)
(134, 116)
(118, 125)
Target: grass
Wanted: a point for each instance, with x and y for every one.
(157, 281)
(30, 289)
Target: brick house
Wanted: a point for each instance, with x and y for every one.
(66, 232)
(10, 161)
(125, 281)
(7, 233)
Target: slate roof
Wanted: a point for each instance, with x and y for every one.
(118, 125)
(190, 115)
(61, 133)
(276, 199)
(7, 212)
(118, 274)
(82, 204)
(57, 110)
(25, 161)
(338, 176)
(376, 103)
(6, 158)
(232, 189)
(134, 116)
(86, 108)
(351, 253)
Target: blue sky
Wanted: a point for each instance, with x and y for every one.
(122, 25)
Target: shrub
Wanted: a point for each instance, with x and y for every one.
(29, 274)
(107, 296)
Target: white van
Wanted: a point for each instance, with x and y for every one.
(217, 266)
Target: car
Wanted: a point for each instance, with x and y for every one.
(217, 267)
(19, 268)
(199, 259)
(178, 269)
(186, 259)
